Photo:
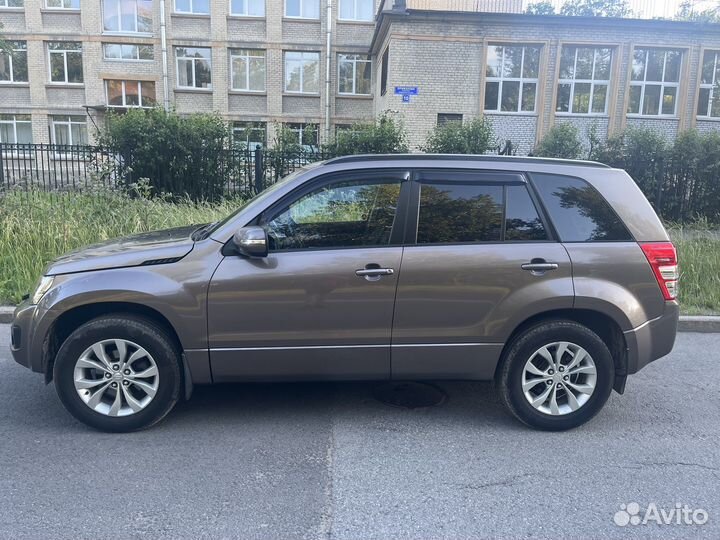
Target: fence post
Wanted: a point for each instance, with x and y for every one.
(660, 179)
(2, 167)
(259, 170)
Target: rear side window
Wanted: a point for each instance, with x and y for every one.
(578, 211)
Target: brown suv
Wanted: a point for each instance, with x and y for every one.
(553, 278)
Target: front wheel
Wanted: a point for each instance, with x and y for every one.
(118, 373)
(556, 375)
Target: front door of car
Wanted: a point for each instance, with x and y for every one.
(320, 305)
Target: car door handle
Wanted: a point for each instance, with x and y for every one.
(539, 266)
(374, 272)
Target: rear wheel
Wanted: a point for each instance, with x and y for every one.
(556, 375)
(118, 373)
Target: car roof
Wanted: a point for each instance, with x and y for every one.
(468, 158)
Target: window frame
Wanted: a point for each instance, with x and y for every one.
(299, 128)
(302, 62)
(194, 86)
(64, 53)
(522, 80)
(642, 84)
(11, 61)
(192, 9)
(5, 4)
(69, 123)
(252, 126)
(14, 122)
(124, 83)
(123, 31)
(121, 59)
(302, 3)
(247, 3)
(592, 81)
(356, 59)
(712, 86)
(232, 54)
(61, 7)
(355, 11)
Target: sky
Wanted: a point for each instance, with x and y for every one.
(651, 8)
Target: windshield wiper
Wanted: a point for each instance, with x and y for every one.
(201, 233)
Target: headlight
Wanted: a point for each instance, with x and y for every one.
(42, 287)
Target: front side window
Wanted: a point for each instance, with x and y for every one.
(247, 8)
(127, 16)
(12, 3)
(357, 10)
(247, 70)
(130, 93)
(192, 6)
(654, 82)
(304, 9)
(15, 129)
(342, 215)
(124, 51)
(512, 78)
(250, 135)
(302, 72)
(194, 67)
(69, 129)
(62, 4)
(709, 104)
(66, 64)
(354, 74)
(306, 135)
(13, 63)
(578, 211)
(584, 80)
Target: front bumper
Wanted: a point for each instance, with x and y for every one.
(21, 336)
(652, 340)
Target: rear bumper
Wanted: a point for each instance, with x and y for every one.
(652, 340)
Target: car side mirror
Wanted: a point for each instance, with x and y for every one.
(251, 241)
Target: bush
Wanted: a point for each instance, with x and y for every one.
(384, 136)
(561, 141)
(184, 156)
(473, 137)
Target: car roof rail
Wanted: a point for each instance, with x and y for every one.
(358, 158)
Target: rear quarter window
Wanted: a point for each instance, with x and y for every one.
(578, 211)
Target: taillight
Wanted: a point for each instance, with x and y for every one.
(664, 263)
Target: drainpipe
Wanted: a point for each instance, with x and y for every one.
(163, 45)
(328, 59)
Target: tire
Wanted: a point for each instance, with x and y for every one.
(566, 339)
(145, 395)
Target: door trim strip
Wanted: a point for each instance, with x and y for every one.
(310, 347)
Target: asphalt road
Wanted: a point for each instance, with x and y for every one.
(328, 461)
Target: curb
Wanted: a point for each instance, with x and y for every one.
(688, 323)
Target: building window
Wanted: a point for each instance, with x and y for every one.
(123, 51)
(65, 62)
(247, 8)
(654, 82)
(357, 10)
(192, 6)
(512, 78)
(12, 3)
(247, 70)
(304, 9)
(68, 129)
(584, 80)
(384, 71)
(447, 118)
(302, 72)
(354, 74)
(128, 16)
(194, 67)
(250, 135)
(13, 63)
(130, 93)
(306, 135)
(15, 128)
(709, 104)
(62, 4)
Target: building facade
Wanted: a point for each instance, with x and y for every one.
(319, 65)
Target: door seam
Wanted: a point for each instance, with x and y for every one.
(392, 322)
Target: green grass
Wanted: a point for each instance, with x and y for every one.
(35, 228)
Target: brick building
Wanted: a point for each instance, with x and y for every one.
(261, 62)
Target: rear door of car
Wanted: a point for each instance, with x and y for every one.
(479, 259)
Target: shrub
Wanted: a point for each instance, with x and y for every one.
(561, 141)
(473, 137)
(384, 136)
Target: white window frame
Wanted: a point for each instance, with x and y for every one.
(236, 53)
(713, 86)
(69, 122)
(302, 61)
(192, 8)
(62, 6)
(11, 60)
(194, 75)
(123, 31)
(522, 80)
(255, 126)
(354, 59)
(303, 3)
(644, 83)
(137, 49)
(5, 4)
(592, 81)
(355, 10)
(14, 122)
(64, 53)
(125, 82)
(247, 10)
(300, 127)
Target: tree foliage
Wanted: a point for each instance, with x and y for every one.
(4, 45)
(182, 156)
(687, 12)
(596, 8)
(473, 137)
(383, 136)
(540, 8)
(561, 141)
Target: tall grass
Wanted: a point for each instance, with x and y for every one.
(699, 255)
(37, 227)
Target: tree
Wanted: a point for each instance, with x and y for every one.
(561, 141)
(473, 137)
(687, 12)
(541, 8)
(596, 8)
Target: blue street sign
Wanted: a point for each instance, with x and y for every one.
(406, 98)
(406, 90)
